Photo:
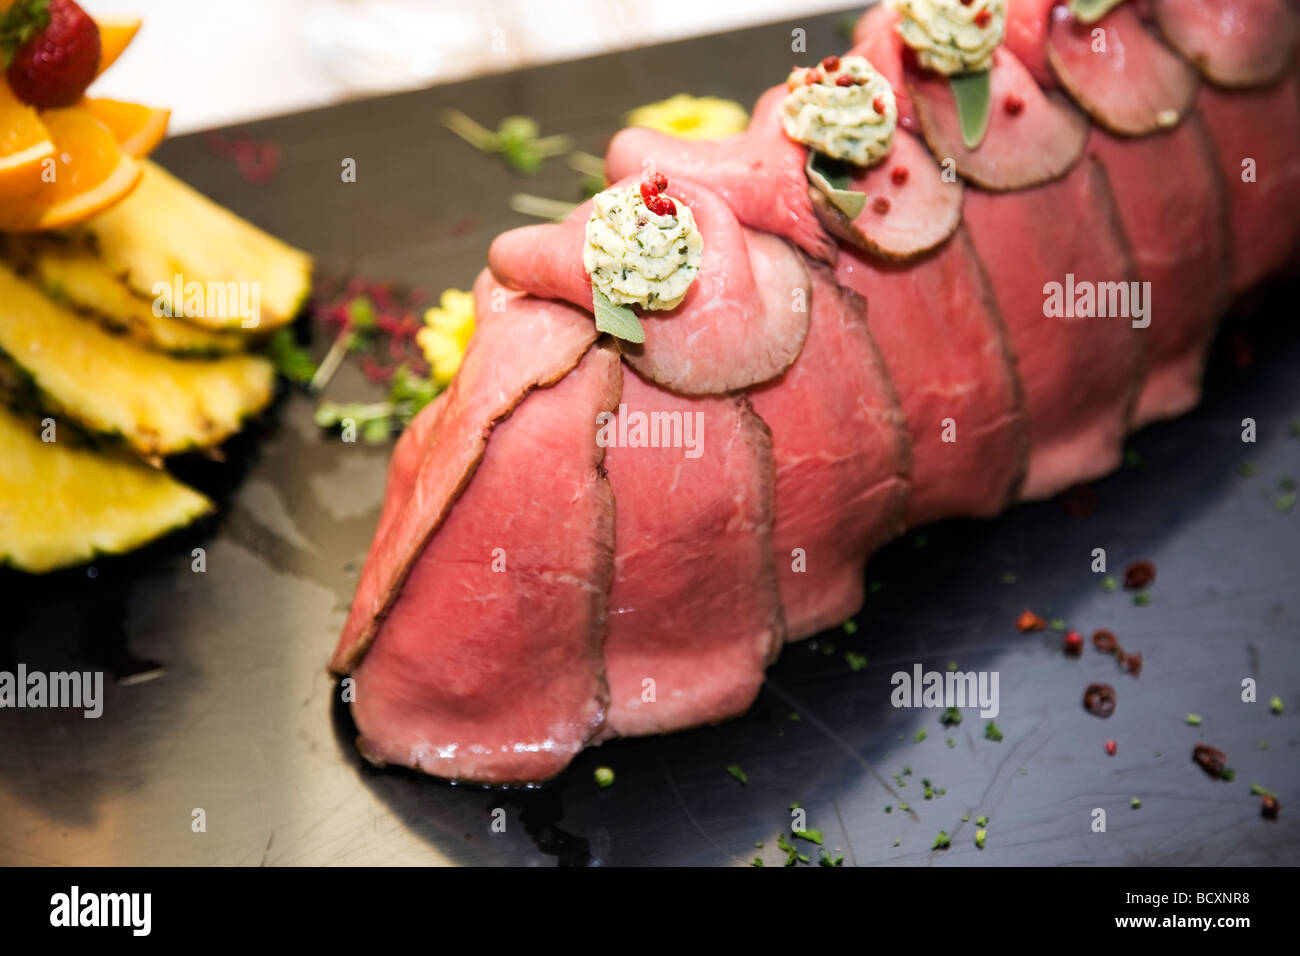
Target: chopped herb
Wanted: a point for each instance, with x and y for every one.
(1024, 772)
(1227, 773)
(1286, 483)
(904, 807)
(825, 859)
(1135, 803)
(921, 735)
(941, 842)
(1108, 583)
(896, 843)
(1194, 720)
(812, 836)
(794, 716)
(604, 777)
(1285, 502)
(791, 852)
(899, 781)
(856, 661)
(1259, 791)
(965, 818)
(979, 838)
(739, 774)
(291, 360)
(758, 845)
(1275, 705)
(850, 626)
(889, 809)
(1248, 469)
(992, 731)
(515, 139)
(907, 771)
(1058, 624)
(1142, 599)
(981, 821)
(757, 861)
(828, 649)
(951, 717)
(952, 665)
(949, 742)
(796, 805)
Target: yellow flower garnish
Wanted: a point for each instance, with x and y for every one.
(447, 330)
(691, 117)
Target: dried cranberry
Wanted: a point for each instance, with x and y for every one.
(880, 205)
(878, 104)
(899, 175)
(1139, 575)
(1269, 806)
(982, 18)
(1131, 663)
(1013, 104)
(844, 79)
(1211, 759)
(1105, 642)
(1111, 747)
(1074, 643)
(1099, 700)
(1029, 621)
(831, 64)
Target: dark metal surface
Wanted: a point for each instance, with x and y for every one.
(242, 721)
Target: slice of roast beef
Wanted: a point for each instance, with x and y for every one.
(1026, 37)
(1080, 375)
(1256, 137)
(488, 666)
(876, 38)
(842, 461)
(1235, 43)
(910, 209)
(1125, 79)
(484, 391)
(944, 344)
(731, 331)
(1033, 137)
(759, 172)
(694, 609)
(1177, 227)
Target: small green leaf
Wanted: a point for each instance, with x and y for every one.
(618, 320)
(974, 96)
(735, 771)
(1090, 11)
(833, 178)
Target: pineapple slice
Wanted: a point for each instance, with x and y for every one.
(72, 274)
(62, 504)
(157, 403)
(166, 229)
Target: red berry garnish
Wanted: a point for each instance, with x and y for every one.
(648, 191)
(1111, 747)
(844, 79)
(1013, 104)
(1269, 806)
(880, 205)
(982, 18)
(55, 49)
(1074, 643)
(1029, 621)
(831, 64)
(811, 77)
(659, 181)
(661, 206)
(899, 175)
(878, 104)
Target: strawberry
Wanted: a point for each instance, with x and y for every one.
(50, 49)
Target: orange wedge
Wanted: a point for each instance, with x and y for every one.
(24, 144)
(137, 128)
(89, 174)
(115, 35)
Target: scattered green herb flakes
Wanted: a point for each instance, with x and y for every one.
(604, 777)
(291, 360)
(1227, 774)
(516, 140)
(792, 854)
(1248, 469)
(850, 626)
(1286, 483)
(1058, 624)
(757, 861)
(889, 809)
(739, 774)
(1259, 791)
(952, 665)
(981, 821)
(1142, 599)
(941, 842)
(951, 717)
(856, 662)
(828, 649)
(1285, 503)
(896, 843)
(965, 818)
(1135, 803)
(1263, 745)
(825, 859)
(794, 716)
(950, 742)
(758, 845)
(1024, 772)
(929, 790)
(796, 805)
(812, 836)
(980, 836)
(1194, 720)
(1275, 705)
(992, 732)
(1108, 583)
(921, 734)
(904, 807)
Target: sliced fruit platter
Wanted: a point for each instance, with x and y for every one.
(132, 308)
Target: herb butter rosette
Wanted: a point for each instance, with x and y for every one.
(952, 37)
(842, 108)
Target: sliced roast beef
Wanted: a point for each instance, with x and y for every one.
(1126, 79)
(484, 391)
(487, 666)
(910, 208)
(1235, 43)
(938, 328)
(1033, 137)
(759, 172)
(731, 331)
(694, 609)
(876, 38)
(842, 461)
(1177, 227)
(1256, 137)
(1044, 251)
(1026, 37)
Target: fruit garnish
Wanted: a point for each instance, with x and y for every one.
(115, 35)
(91, 174)
(50, 50)
(137, 128)
(24, 145)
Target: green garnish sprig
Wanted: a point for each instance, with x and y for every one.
(516, 140)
